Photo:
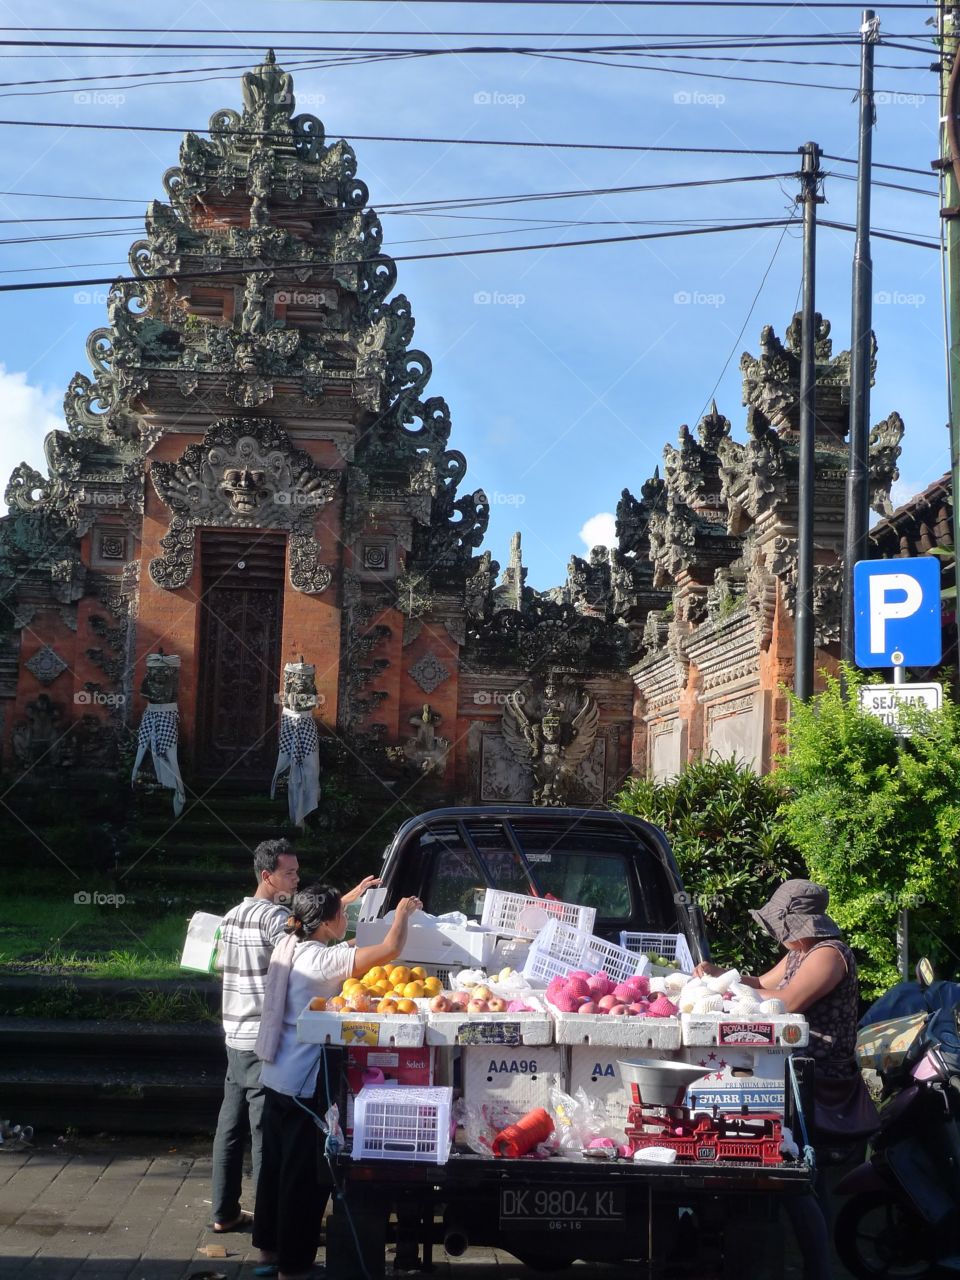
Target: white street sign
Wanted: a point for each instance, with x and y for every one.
(884, 701)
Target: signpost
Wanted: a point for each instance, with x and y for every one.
(896, 619)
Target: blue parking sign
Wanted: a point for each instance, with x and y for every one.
(896, 610)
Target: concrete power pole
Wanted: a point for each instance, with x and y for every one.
(949, 32)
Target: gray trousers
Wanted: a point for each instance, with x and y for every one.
(240, 1112)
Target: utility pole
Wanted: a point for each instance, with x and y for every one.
(858, 480)
(948, 21)
(803, 636)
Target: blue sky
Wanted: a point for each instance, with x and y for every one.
(566, 370)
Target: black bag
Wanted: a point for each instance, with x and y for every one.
(843, 1109)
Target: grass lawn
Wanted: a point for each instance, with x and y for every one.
(44, 930)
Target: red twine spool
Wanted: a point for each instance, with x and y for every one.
(529, 1131)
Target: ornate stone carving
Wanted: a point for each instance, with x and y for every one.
(161, 680)
(553, 729)
(426, 750)
(429, 672)
(244, 474)
(37, 740)
(884, 451)
(46, 664)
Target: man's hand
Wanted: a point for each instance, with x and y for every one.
(359, 890)
(407, 906)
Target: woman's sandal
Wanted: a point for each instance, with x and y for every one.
(243, 1223)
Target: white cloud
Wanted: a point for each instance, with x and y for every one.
(27, 414)
(600, 530)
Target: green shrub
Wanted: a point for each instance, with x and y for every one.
(722, 821)
(877, 820)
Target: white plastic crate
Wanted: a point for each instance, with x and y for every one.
(672, 946)
(403, 1123)
(559, 947)
(520, 1078)
(520, 916)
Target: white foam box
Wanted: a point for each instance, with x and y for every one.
(509, 1029)
(788, 1033)
(740, 1075)
(628, 1033)
(520, 1077)
(370, 1029)
(456, 946)
(595, 1069)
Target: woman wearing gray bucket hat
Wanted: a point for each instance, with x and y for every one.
(818, 978)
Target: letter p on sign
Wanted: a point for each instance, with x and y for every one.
(897, 612)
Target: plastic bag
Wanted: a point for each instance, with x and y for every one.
(481, 1124)
(581, 1120)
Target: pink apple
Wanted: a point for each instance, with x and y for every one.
(496, 1005)
(606, 1003)
(478, 1006)
(589, 1007)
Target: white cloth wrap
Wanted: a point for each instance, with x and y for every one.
(300, 753)
(160, 731)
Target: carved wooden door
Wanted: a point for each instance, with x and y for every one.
(241, 620)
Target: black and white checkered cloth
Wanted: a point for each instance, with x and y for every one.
(298, 737)
(159, 730)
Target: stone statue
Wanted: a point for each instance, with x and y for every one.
(267, 89)
(299, 752)
(554, 744)
(299, 686)
(161, 680)
(253, 318)
(426, 750)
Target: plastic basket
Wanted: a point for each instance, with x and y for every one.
(521, 916)
(558, 948)
(402, 1123)
(671, 945)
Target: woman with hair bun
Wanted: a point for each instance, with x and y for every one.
(293, 1186)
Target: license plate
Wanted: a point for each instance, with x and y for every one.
(562, 1209)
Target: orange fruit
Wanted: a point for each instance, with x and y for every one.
(375, 974)
(360, 1003)
(432, 986)
(338, 1002)
(418, 971)
(413, 990)
(318, 1003)
(400, 973)
(406, 1006)
(387, 1006)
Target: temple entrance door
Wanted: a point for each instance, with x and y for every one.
(239, 667)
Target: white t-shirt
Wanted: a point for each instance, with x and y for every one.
(317, 970)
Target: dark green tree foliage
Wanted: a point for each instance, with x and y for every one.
(877, 820)
(731, 847)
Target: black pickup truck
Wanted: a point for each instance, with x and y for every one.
(548, 1213)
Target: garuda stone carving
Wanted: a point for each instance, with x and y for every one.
(245, 474)
(553, 733)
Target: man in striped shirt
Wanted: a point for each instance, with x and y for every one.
(248, 935)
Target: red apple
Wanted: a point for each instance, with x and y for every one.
(478, 1006)
(606, 1003)
(589, 1007)
(496, 1005)
(481, 993)
(618, 1011)
(440, 1004)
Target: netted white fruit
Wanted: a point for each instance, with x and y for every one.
(708, 1004)
(773, 1008)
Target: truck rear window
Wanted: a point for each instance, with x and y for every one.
(599, 880)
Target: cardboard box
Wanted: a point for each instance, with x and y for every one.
(400, 1066)
(519, 1076)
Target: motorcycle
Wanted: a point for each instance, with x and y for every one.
(902, 1217)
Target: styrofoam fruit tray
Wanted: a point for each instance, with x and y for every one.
(791, 1031)
(630, 1032)
(373, 1029)
(461, 1027)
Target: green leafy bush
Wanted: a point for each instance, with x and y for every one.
(722, 820)
(877, 820)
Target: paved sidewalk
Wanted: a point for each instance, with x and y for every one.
(137, 1209)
